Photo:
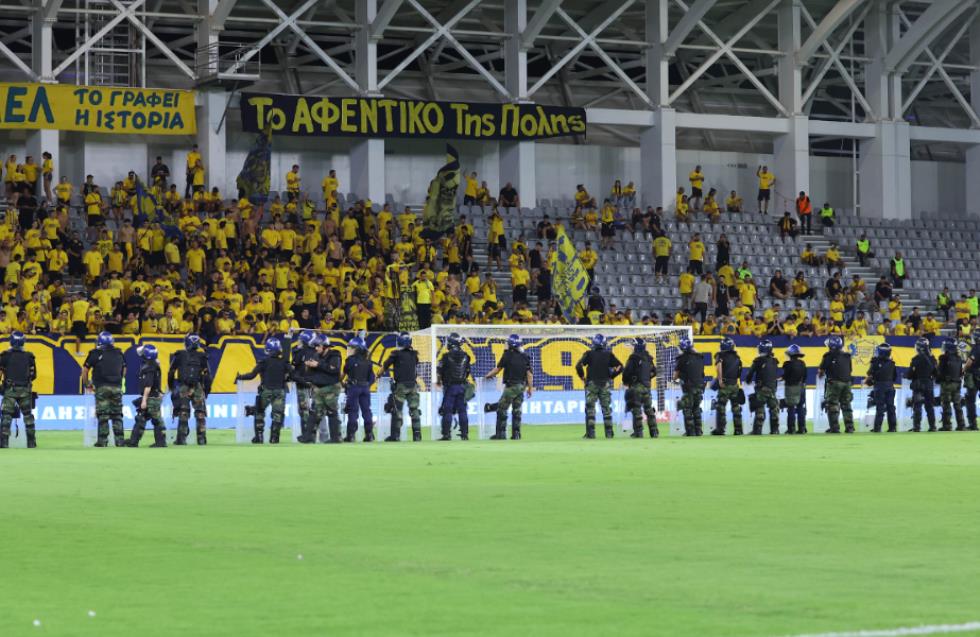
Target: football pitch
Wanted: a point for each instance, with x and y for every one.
(755, 536)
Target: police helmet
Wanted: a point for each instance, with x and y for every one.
(357, 343)
(403, 340)
(922, 345)
(455, 341)
(883, 351)
(598, 341)
(17, 340)
(639, 345)
(273, 346)
(835, 343)
(192, 341)
(513, 341)
(306, 337)
(794, 351)
(686, 344)
(949, 346)
(104, 340)
(727, 345)
(765, 347)
(147, 352)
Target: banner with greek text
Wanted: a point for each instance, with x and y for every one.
(98, 109)
(385, 118)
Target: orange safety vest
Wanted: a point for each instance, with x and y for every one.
(803, 206)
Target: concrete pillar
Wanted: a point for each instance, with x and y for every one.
(42, 52)
(882, 89)
(211, 140)
(790, 75)
(973, 152)
(885, 170)
(515, 55)
(658, 65)
(791, 165)
(367, 170)
(366, 47)
(517, 165)
(658, 160)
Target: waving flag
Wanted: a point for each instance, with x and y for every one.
(146, 205)
(570, 281)
(439, 216)
(253, 181)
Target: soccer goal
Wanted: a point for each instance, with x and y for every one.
(559, 396)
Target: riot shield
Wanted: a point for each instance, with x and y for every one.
(487, 391)
(816, 411)
(903, 407)
(246, 391)
(382, 419)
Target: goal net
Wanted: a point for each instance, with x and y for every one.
(559, 394)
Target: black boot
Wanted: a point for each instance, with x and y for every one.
(654, 432)
(4, 441)
(159, 438)
(202, 438)
(134, 438)
(368, 435)
(31, 440)
(756, 429)
(738, 429)
(102, 442)
(500, 434)
(258, 438)
(515, 433)
(589, 432)
(274, 436)
(120, 440)
(391, 438)
(637, 431)
(718, 431)
(609, 431)
(416, 435)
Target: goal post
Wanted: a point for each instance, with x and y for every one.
(554, 350)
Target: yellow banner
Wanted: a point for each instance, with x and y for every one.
(98, 109)
(571, 282)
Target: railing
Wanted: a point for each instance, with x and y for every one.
(217, 61)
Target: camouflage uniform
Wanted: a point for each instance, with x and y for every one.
(598, 392)
(728, 395)
(766, 397)
(108, 406)
(951, 401)
(151, 413)
(512, 397)
(185, 397)
(598, 367)
(325, 404)
(276, 399)
(837, 398)
(14, 399)
(401, 394)
(640, 404)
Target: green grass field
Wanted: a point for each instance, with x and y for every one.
(551, 535)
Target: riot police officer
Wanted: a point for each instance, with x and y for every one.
(19, 371)
(598, 367)
(190, 383)
(402, 364)
(949, 373)
(690, 373)
(358, 376)
(728, 374)
(301, 352)
(836, 367)
(453, 373)
(794, 388)
(150, 397)
(108, 368)
(922, 373)
(637, 378)
(882, 375)
(971, 381)
(275, 374)
(764, 374)
(516, 366)
(324, 374)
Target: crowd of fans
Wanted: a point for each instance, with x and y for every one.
(155, 258)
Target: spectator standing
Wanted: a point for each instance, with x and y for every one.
(766, 180)
(804, 210)
(702, 296)
(898, 271)
(469, 192)
(723, 249)
(423, 289)
(160, 174)
(697, 183)
(193, 159)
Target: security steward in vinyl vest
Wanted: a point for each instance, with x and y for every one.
(728, 374)
(453, 373)
(402, 364)
(922, 374)
(836, 367)
(516, 366)
(882, 375)
(189, 380)
(949, 373)
(301, 352)
(764, 374)
(358, 376)
(150, 396)
(598, 367)
(690, 373)
(108, 368)
(323, 371)
(638, 375)
(275, 374)
(19, 371)
(794, 388)
(971, 381)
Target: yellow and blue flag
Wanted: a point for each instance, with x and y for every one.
(146, 205)
(439, 215)
(570, 281)
(254, 181)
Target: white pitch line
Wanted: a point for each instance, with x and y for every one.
(936, 629)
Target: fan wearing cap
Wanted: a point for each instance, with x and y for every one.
(882, 375)
(516, 367)
(689, 371)
(190, 382)
(598, 367)
(358, 375)
(274, 371)
(19, 372)
(835, 366)
(794, 380)
(108, 369)
(150, 397)
(637, 377)
(764, 374)
(949, 373)
(402, 364)
(922, 373)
